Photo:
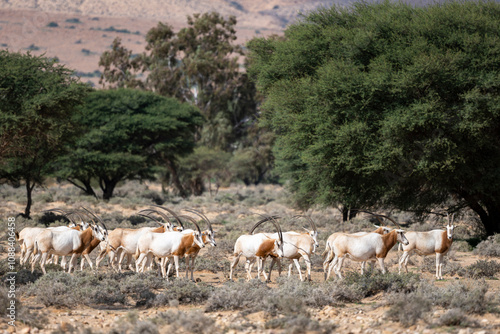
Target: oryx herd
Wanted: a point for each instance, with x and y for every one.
(150, 246)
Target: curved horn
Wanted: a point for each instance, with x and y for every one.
(380, 215)
(99, 219)
(278, 228)
(150, 217)
(192, 221)
(172, 213)
(64, 214)
(310, 222)
(162, 214)
(266, 218)
(202, 216)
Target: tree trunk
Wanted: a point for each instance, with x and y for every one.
(175, 178)
(87, 187)
(107, 187)
(29, 191)
(491, 222)
(489, 215)
(347, 214)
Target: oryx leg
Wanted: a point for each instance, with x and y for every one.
(439, 266)
(248, 266)
(43, 259)
(86, 257)
(381, 264)
(235, 261)
(72, 262)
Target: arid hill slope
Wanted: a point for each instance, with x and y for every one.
(77, 32)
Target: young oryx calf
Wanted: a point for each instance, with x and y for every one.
(256, 247)
(428, 243)
(363, 248)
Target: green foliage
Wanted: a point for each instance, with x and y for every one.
(198, 64)
(38, 100)
(128, 132)
(387, 104)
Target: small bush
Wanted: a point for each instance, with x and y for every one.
(480, 269)
(489, 247)
(373, 282)
(190, 322)
(52, 24)
(298, 324)
(184, 292)
(407, 308)
(237, 296)
(69, 290)
(461, 246)
(456, 317)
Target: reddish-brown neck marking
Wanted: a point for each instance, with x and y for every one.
(265, 248)
(186, 243)
(389, 241)
(445, 243)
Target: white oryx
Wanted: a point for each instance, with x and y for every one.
(428, 243)
(364, 248)
(26, 237)
(123, 241)
(328, 254)
(257, 247)
(208, 237)
(168, 244)
(297, 245)
(63, 243)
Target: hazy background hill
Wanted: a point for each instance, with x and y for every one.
(77, 32)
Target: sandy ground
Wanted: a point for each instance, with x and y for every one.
(365, 317)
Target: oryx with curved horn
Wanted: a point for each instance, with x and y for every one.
(328, 254)
(208, 237)
(257, 247)
(123, 242)
(297, 245)
(427, 243)
(167, 244)
(365, 247)
(65, 242)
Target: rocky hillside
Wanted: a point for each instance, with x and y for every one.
(77, 32)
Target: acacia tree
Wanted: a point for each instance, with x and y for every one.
(37, 100)
(388, 104)
(128, 133)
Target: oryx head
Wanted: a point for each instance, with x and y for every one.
(209, 233)
(99, 230)
(313, 232)
(449, 226)
(401, 237)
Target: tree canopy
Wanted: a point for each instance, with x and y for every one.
(388, 105)
(37, 100)
(128, 133)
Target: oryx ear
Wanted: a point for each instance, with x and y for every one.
(377, 226)
(305, 229)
